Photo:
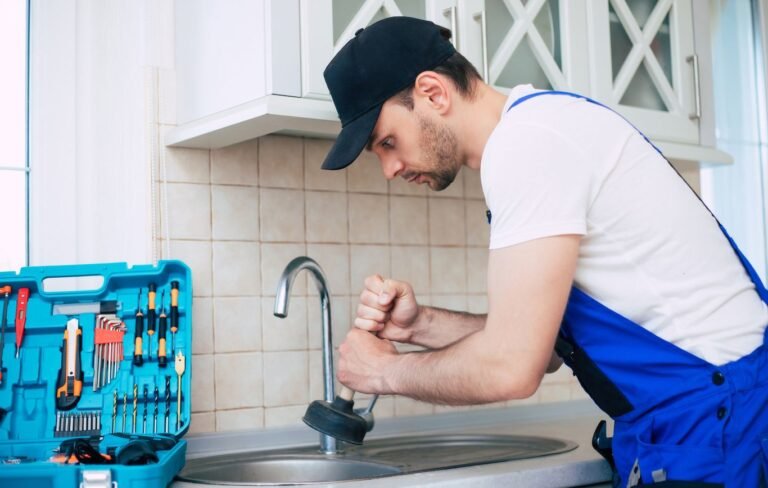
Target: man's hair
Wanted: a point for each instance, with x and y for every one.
(456, 68)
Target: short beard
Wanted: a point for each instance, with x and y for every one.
(440, 147)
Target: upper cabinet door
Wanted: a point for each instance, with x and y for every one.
(326, 25)
(512, 42)
(645, 66)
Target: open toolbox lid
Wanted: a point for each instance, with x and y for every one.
(82, 372)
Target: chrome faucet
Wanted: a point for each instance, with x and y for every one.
(327, 443)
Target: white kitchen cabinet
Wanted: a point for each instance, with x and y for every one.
(645, 65)
(246, 68)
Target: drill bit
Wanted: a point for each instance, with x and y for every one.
(180, 367)
(144, 426)
(114, 410)
(167, 401)
(154, 427)
(125, 408)
(135, 405)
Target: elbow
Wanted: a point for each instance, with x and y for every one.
(521, 383)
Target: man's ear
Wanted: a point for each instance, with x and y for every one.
(433, 90)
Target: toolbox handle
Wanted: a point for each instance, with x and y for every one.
(42, 273)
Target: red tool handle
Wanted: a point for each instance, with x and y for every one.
(21, 315)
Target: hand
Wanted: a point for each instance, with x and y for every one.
(363, 359)
(387, 307)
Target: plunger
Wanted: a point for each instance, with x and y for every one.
(337, 419)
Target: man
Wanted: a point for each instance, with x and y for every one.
(598, 251)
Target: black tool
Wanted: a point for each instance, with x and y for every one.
(125, 408)
(157, 397)
(138, 358)
(151, 315)
(174, 314)
(135, 405)
(144, 424)
(167, 401)
(337, 419)
(69, 385)
(162, 360)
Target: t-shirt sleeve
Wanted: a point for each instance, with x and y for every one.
(536, 183)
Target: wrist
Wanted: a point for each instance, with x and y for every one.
(420, 325)
(390, 379)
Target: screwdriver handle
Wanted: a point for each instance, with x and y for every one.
(174, 306)
(138, 358)
(151, 313)
(162, 360)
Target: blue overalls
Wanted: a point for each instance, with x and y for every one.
(677, 417)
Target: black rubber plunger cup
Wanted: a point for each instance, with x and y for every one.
(337, 419)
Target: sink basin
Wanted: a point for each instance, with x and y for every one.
(376, 458)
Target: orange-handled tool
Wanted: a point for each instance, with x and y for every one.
(69, 385)
(138, 358)
(21, 316)
(174, 314)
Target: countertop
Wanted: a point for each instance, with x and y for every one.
(573, 421)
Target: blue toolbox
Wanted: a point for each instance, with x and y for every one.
(95, 384)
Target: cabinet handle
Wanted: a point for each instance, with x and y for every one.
(484, 38)
(694, 59)
(454, 32)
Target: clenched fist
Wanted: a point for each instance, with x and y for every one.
(388, 308)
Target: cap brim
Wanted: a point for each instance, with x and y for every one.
(352, 140)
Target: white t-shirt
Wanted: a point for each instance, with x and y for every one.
(650, 250)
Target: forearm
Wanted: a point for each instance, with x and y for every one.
(436, 328)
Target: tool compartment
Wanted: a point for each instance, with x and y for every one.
(76, 380)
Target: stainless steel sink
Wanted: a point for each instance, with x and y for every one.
(376, 458)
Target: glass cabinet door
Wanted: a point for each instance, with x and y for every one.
(645, 65)
(326, 25)
(515, 42)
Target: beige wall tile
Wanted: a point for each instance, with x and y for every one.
(473, 188)
(477, 304)
(185, 165)
(316, 178)
(274, 259)
(446, 222)
(384, 408)
(281, 162)
(405, 407)
(411, 264)
(284, 416)
(554, 393)
(408, 220)
(237, 325)
(450, 302)
(326, 216)
(243, 419)
(366, 261)
(577, 392)
(334, 259)
(235, 268)
(191, 207)
(399, 186)
(202, 423)
(235, 212)
(477, 270)
(198, 256)
(286, 378)
(202, 383)
(202, 326)
(340, 320)
(365, 175)
(448, 270)
(288, 334)
(368, 218)
(282, 215)
(562, 376)
(478, 230)
(237, 164)
(316, 378)
(239, 380)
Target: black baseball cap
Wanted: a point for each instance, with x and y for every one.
(379, 62)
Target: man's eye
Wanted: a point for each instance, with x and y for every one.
(387, 143)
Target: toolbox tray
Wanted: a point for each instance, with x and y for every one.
(29, 387)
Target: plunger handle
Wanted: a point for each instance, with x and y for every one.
(346, 393)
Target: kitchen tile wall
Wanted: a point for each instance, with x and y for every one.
(238, 215)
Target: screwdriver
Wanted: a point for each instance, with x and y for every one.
(6, 291)
(21, 316)
(138, 359)
(151, 317)
(174, 314)
(161, 359)
(70, 382)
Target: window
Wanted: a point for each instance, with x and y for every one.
(14, 166)
(736, 193)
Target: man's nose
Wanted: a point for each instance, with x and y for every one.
(392, 167)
